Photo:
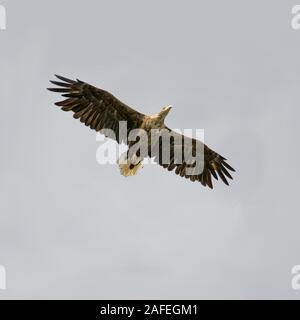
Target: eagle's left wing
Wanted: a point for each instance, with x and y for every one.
(213, 164)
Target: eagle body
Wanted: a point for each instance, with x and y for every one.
(130, 165)
(100, 110)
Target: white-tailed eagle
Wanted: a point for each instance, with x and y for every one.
(99, 109)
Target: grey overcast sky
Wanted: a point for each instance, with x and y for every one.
(71, 228)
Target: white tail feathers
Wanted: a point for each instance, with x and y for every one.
(129, 167)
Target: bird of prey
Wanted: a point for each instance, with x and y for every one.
(99, 109)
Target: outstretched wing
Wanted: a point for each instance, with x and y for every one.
(213, 164)
(96, 108)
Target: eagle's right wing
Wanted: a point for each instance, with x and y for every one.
(97, 108)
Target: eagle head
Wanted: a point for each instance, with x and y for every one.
(164, 112)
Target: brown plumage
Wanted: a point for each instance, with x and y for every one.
(99, 109)
(214, 164)
(96, 108)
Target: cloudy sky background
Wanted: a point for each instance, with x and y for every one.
(70, 228)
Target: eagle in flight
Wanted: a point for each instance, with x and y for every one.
(100, 110)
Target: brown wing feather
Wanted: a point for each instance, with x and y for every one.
(96, 108)
(214, 164)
